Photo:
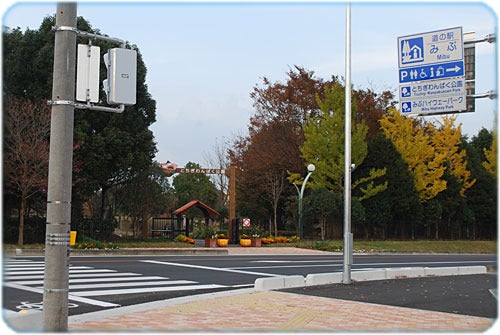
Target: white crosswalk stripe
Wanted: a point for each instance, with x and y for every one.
(85, 281)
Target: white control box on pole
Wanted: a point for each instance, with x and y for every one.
(87, 73)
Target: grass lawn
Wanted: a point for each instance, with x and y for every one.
(423, 246)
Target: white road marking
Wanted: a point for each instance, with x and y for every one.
(129, 284)
(146, 289)
(70, 296)
(94, 280)
(211, 268)
(77, 275)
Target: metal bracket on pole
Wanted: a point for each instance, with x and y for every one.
(87, 106)
(490, 38)
(489, 94)
(91, 35)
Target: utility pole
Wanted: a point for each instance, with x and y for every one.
(55, 292)
(346, 277)
(232, 202)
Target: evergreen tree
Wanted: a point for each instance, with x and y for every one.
(110, 149)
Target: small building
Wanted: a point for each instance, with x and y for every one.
(178, 222)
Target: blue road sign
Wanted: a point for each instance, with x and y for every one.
(431, 48)
(430, 72)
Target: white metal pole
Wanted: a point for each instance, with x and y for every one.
(346, 277)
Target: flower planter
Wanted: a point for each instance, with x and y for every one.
(222, 242)
(210, 243)
(245, 242)
(256, 242)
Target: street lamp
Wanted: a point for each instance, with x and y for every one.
(311, 169)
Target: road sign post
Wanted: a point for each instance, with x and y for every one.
(432, 72)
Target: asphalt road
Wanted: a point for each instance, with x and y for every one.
(98, 283)
(467, 294)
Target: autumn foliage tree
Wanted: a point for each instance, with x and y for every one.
(26, 150)
(274, 137)
(447, 140)
(324, 146)
(417, 150)
(491, 163)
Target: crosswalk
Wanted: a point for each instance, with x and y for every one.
(86, 281)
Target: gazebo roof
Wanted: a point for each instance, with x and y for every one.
(207, 211)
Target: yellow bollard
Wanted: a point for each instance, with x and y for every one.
(72, 238)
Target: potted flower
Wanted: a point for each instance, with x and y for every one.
(222, 240)
(256, 239)
(210, 236)
(245, 240)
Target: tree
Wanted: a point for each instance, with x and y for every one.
(188, 187)
(447, 140)
(323, 204)
(110, 149)
(219, 159)
(482, 196)
(415, 146)
(26, 145)
(324, 145)
(145, 195)
(490, 154)
(291, 102)
(271, 146)
(264, 163)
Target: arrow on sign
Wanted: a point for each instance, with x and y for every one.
(456, 69)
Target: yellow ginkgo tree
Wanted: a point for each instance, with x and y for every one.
(416, 148)
(491, 157)
(429, 150)
(447, 142)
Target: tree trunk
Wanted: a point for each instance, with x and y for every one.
(22, 211)
(322, 222)
(275, 210)
(145, 227)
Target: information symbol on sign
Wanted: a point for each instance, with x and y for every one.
(412, 50)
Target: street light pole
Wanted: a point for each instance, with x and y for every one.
(346, 277)
(55, 289)
(311, 169)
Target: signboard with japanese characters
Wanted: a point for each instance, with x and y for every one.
(431, 72)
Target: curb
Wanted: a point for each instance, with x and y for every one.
(283, 282)
(123, 252)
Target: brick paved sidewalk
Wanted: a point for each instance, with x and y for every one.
(280, 311)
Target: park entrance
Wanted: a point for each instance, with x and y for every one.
(171, 168)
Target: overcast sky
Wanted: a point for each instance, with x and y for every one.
(203, 59)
